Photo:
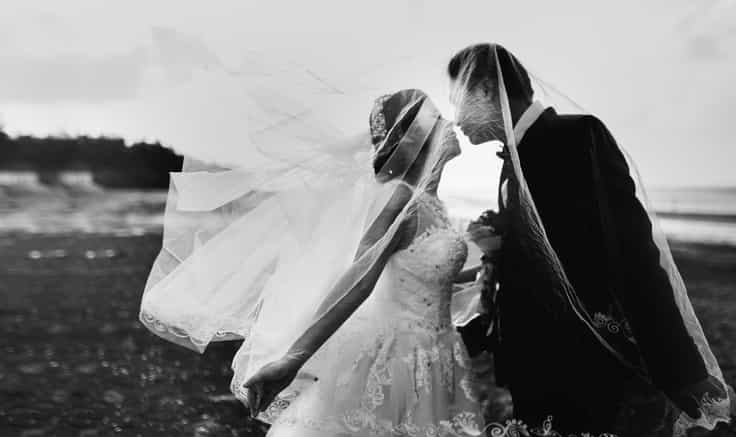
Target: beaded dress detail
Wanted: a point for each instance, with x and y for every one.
(397, 367)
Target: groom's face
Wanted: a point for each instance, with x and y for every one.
(476, 113)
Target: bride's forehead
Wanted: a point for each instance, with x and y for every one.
(456, 95)
(459, 91)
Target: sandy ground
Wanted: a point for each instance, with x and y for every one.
(74, 361)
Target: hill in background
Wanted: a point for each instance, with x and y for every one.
(111, 163)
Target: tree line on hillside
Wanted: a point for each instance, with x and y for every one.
(112, 163)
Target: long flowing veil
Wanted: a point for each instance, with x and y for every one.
(558, 294)
(259, 237)
(260, 254)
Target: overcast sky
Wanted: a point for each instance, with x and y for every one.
(659, 73)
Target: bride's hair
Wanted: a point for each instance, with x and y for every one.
(478, 63)
(390, 118)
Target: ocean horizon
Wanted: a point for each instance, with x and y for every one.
(689, 214)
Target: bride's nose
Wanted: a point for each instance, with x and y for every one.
(455, 118)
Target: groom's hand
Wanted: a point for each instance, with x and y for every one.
(492, 219)
(485, 237)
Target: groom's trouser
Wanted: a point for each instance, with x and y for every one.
(553, 370)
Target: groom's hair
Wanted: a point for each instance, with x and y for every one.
(480, 59)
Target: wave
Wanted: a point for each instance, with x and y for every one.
(21, 183)
(76, 204)
(81, 181)
(28, 183)
(698, 216)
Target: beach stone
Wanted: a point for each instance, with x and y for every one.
(87, 369)
(207, 428)
(108, 328)
(128, 345)
(34, 432)
(32, 368)
(83, 417)
(168, 409)
(226, 398)
(25, 417)
(59, 396)
(113, 397)
(57, 328)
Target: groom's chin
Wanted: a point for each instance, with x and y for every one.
(476, 139)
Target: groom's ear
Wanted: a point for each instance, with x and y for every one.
(489, 85)
(483, 87)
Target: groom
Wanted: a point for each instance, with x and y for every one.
(585, 197)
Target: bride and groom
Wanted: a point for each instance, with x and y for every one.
(581, 306)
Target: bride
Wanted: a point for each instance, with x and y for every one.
(345, 311)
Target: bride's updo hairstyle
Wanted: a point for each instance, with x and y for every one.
(407, 115)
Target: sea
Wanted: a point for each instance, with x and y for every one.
(689, 214)
(75, 204)
(706, 215)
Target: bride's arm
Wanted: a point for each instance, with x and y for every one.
(468, 275)
(337, 307)
(400, 197)
(333, 311)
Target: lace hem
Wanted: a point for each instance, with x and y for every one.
(517, 428)
(712, 412)
(183, 336)
(463, 424)
(434, 368)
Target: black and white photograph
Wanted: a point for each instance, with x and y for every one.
(385, 218)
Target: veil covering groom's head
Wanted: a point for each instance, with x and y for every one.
(474, 84)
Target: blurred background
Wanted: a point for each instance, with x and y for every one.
(98, 102)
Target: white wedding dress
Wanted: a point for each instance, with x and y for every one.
(408, 373)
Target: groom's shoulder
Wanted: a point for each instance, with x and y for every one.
(577, 121)
(570, 126)
(578, 132)
(578, 125)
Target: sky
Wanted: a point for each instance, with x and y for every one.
(659, 73)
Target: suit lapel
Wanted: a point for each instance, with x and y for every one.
(533, 134)
(536, 130)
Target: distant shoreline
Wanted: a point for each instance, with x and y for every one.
(714, 218)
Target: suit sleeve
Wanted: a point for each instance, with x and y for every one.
(643, 287)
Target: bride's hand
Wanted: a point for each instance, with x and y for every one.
(263, 387)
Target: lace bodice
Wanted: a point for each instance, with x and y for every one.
(421, 275)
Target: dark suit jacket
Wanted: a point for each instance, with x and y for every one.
(585, 197)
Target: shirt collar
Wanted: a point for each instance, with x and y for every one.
(527, 119)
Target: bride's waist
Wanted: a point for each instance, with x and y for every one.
(414, 314)
(410, 323)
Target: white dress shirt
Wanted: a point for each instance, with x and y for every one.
(526, 120)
